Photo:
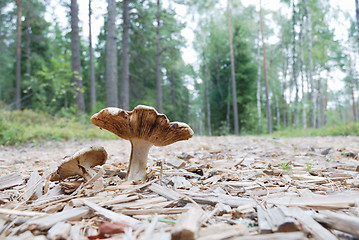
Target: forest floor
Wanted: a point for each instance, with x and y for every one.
(208, 188)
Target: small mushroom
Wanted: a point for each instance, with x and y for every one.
(143, 127)
(81, 163)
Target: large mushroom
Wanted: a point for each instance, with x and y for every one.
(143, 127)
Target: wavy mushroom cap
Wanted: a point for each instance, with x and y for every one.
(143, 122)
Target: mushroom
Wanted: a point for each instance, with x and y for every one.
(81, 163)
(143, 127)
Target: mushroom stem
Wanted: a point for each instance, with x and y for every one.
(138, 160)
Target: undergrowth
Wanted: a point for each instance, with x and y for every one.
(28, 126)
(348, 129)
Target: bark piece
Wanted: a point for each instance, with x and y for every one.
(339, 221)
(187, 225)
(10, 180)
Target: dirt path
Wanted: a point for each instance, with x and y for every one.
(234, 180)
(47, 155)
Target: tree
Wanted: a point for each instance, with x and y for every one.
(75, 57)
(125, 74)
(111, 56)
(258, 96)
(92, 68)
(18, 56)
(233, 77)
(158, 58)
(357, 17)
(268, 109)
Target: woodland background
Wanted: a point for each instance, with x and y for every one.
(258, 70)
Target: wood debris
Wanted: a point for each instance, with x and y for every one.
(211, 188)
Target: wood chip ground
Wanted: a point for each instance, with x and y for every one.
(208, 188)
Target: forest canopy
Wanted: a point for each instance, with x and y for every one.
(257, 69)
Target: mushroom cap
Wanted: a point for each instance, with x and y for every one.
(77, 163)
(143, 122)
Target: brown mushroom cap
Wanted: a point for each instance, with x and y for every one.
(143, 122)
(81, 162)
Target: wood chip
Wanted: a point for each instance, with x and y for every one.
(274, 236)
(34, 186)
(60, 230)
(339, 221)
(20, 213)
(10, 180)
(116, 217)
(49, 220)
(222, 231)
(187, 225)
(335, 201)
(165, 192)
(310, 225)
(153, 211)
(176, 163)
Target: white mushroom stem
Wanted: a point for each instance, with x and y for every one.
(138, 160)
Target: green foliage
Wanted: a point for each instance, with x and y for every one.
(215, 70)
(51, 87)
(343, 129)
(29, 126)
(286, 165)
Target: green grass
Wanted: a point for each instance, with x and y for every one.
(28, 126)
(349, 129)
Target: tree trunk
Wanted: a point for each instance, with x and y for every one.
(313, 95)
(28, 43)
(92, 68)
(352, 92)
(75, 57)
(357, 16)
(125, 74)
(294, 65)
(259, 109)
(304, 114)
(233, 77)
(158, 58)
(111, 56)
(18, 56)
(206, 82)
(268, 110)
(277, 110)
(208, 108)
(173, 93)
